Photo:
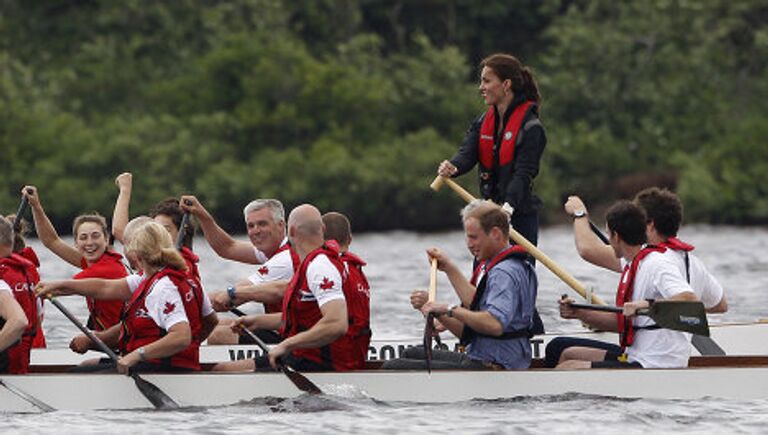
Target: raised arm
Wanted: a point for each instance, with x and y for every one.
(221, 242)
(121, 216)
(589, 246)
(47, 233)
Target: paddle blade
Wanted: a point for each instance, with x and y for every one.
(155, 395)
(301, 381)
(686, 316)
(429, 330)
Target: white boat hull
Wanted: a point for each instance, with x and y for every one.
(735, 339)
(80, 392)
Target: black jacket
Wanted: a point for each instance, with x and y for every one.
(514, 183)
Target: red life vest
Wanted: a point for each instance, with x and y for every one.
(479, 280)
(301, 315)
(39, 341)
(489, 160)
(624, 294)
(139, 329)
(191, 259)
(104, 313)
(277, 307)
(357, 292)
(21, 276)
(676, 244)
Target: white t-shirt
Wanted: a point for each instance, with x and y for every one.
(324, 281)
(706, 287)
(4, 287)
(278, 267)
(261, 257)
(658, 277)
(163, 303)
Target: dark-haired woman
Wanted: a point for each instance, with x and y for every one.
(91, 253)
(506, 141)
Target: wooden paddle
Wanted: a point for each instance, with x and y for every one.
(155, 395)
(429, 327)
(28, 397)
(301, 381)
(528, 246)
(686, 316)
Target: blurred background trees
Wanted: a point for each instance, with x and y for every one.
(350, 104)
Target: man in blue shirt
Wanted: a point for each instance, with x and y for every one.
(495, 315)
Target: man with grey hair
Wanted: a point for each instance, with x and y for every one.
(314, 325)
(494, 318)
(268, 247)
(18, 305)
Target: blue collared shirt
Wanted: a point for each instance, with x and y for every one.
(510, 297)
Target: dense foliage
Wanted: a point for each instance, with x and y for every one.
(350, 104)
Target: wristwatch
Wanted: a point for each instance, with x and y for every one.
(141, 353)
(451, 308)
(579, 214)
(231, 293)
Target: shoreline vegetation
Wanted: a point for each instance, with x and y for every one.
(351, 105)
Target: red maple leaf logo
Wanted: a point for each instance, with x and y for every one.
(169, 307)
(327, 284)
(263, 270)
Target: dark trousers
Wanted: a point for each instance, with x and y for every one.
(556, 347)
(266, 335)
(415, 358)
(527, 225)
(106, 365)
(261, 364)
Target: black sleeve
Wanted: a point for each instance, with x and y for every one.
(466, 158)
(528, 156)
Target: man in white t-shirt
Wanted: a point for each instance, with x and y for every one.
(665, 214)
(648, 275)
(267, 247)
(315, 325)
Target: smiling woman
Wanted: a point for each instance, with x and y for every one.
(91, 253)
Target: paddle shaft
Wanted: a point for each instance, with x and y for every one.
(103, 347)
(530, 248)
(301, 381)
(28, 397)
(154, 394)
(599, 233)
(23, 206)
(182, 231)
(432, 280)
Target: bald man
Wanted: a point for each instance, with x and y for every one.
(314, 322)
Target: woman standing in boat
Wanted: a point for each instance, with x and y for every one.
(162, 319)
(506, 141)
(91, 253)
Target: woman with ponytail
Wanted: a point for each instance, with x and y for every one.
(163, 314)
(506, 141)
